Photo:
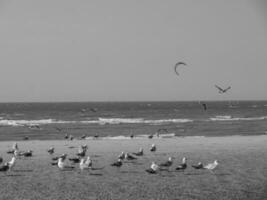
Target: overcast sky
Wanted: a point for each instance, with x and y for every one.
(79, 50)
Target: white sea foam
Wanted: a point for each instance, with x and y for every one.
(100, 121)
(230, 118)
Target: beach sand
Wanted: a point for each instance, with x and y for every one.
(241, 174)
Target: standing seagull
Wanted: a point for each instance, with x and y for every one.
(168, 163)
(122, 155)
(153, 148)
(183, 165)
(86, 164)
(62, 165)
(11, 163)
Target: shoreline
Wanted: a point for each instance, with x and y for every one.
(138, 137)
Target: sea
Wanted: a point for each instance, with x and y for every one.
(120, 120)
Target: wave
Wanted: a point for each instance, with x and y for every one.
(100, 121)
(230, 118)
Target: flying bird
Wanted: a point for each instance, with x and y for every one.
(221, 90)
(176, 67)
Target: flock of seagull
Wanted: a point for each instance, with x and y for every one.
(86, 163)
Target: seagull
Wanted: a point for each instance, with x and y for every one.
(62, 156)
(153, 148)
(75, 159)
(221, 91)
(150, 136)
(4, 167)
(51, 150)
(118, 163)
(153, 168)
(14, 147)
(25, 138)
(11, 163)
(140, 152)
(61, 165)
(89, 162)
(122, 156)
(183, 165)
(86, 164)
(129, 157)
(83, 137)
(168, 163)
(71, 137)
(198, 166)
(82, 151)
(211, 166)
(27, 153)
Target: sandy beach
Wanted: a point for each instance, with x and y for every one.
(241, 173)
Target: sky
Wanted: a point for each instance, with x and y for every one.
(125, 50)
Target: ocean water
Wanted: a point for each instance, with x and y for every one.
(121, 119)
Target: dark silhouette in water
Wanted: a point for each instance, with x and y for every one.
(204, 106)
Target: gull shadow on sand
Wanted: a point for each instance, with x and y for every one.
(95, 174)
(97, 168)
(15, 175)
(129, 172)
(222, 174)
(96, 156)
(193, 174)
(23, 170)
(136, 163)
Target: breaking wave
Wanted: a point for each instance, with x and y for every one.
(230, 118)
(100, 121)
